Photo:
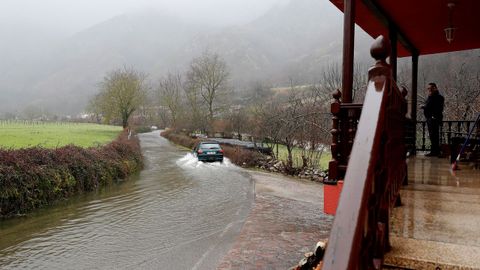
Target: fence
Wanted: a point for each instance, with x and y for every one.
(36, 122)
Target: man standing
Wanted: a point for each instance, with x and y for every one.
(433, 111)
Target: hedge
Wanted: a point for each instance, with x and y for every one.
(33, 177)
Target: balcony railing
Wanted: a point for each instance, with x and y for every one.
(448, 131)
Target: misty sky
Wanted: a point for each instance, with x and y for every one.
(71, 16)
(54, 52)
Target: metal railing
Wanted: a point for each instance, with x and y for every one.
(448, 130)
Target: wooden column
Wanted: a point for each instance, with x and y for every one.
(413, 108)
(348, 46)
(414, 87)
(392, 32)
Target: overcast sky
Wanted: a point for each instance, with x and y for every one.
(74, 15)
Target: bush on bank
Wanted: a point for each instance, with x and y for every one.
(248, 158)
(237, 155)
(33, 177)
(180, 139)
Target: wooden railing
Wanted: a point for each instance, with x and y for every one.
(345, 121)
(376, 169)
(448, 130)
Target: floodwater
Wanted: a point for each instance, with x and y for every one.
(177, 213)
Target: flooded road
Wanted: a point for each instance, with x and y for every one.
(176, 214)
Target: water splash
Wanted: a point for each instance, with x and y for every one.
(191, 161)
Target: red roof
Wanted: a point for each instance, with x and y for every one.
(422, 22)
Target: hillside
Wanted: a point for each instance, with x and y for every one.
(292, 40)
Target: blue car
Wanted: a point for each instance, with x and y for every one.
(208, 151)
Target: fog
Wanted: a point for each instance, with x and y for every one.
(70, 16)
(54, 53)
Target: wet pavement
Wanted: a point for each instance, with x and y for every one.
(438, 224)
(287, 220)
(436, 172)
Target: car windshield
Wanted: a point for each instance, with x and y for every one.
(210, 146)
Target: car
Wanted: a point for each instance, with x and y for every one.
(208, 151)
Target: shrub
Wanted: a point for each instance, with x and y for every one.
(180, 139)
(33, 177)
(238, 155)
(242, 156)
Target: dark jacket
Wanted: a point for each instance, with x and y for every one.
(433, 108)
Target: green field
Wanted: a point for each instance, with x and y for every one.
(21, 134)
(297, 156)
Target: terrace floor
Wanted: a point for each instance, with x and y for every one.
(438, 224)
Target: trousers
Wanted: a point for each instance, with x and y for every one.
(434, 134)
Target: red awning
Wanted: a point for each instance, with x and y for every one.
(422, 22)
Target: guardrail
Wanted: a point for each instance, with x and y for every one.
(448, 129)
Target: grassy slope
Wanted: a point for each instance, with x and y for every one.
(50, 135)
(297, 156)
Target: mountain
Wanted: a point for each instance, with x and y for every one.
(76, 65)
(270, 45)
(292, 40)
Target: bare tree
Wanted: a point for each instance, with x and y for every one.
(162, 114)
(331, 80)
(301, 120)
(122, 92)
(459, 83)
(195, 117)
(304, 125)
(314, 134)
(462, 90)
(292, 121)
(266, 122)
(169, 92)
(208, 73)
(238, 120)
(360, 81)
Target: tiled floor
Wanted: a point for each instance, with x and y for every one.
(438, 224)
(436, 171)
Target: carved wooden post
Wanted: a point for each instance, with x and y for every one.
(380, 50)
(335, 110)
(350, 131)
